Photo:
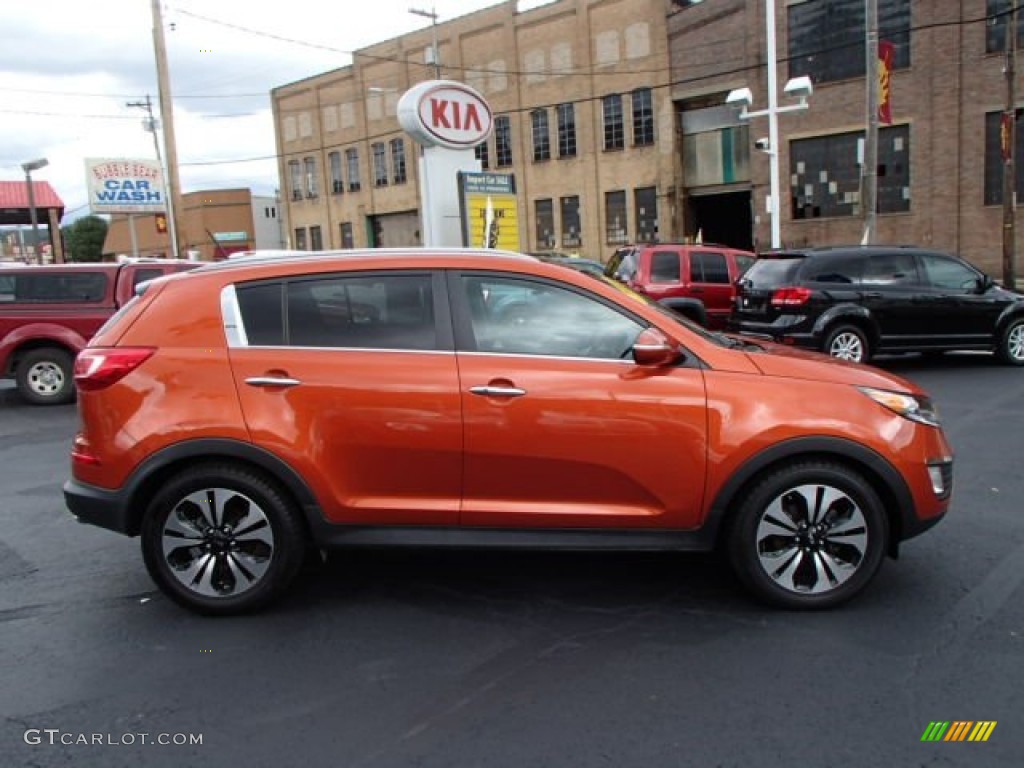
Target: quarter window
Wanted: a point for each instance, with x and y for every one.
(524, 317)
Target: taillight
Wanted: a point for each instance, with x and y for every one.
(791, 297)
(99, 367)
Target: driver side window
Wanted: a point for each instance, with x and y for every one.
(516, 316)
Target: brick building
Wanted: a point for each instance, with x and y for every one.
(582, 118)
(612, 116)
(214, 224)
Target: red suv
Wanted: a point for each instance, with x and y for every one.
(697, 281)
(242, 415)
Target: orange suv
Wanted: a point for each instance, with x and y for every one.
(245, 414)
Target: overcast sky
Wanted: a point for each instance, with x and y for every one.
(67, 69)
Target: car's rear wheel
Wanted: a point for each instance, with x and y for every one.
(44, 376)
(1011, 344)
(808, 535)
(220, 539)
(848, 342)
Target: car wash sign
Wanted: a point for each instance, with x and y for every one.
(125, 186)
(445, 113)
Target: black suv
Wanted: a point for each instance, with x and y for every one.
(856, 301)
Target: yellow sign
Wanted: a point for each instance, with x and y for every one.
(490, 211)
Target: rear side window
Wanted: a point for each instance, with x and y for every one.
(664, 267)
(773, 271)
(366, 312)
(55, 287)
(890, 269)
(708, 267)
(834, 269)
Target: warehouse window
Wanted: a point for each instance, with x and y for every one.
(614, 130)
(827, 37)
(825, 175)
(566, 130)
(541, 135)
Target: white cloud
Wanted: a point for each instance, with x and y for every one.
(68, 69)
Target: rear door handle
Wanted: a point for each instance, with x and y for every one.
(498, 391)
(272, 381)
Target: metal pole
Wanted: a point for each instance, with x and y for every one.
(34, 217)
(1009, 124)
(167, 114)
(135, 239)
(773, 122)
(869, 203)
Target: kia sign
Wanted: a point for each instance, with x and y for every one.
(125, 186)
(445, 113)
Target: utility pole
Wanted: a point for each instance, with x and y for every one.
(435, 54)
(151, 124)
(869, 171)
(167, 113)
(1008, 141)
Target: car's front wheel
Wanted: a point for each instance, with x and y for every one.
(848, 342)
(221, 539)
(1011, 343)
(808, 535)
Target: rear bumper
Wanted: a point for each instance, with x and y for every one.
(99, 506)
(782, 331)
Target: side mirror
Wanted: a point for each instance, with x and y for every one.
(653, 348)
(985, 283)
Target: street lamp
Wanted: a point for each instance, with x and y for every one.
(34, 165)
(432, 15)
(797, 87)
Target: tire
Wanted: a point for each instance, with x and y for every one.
(248, 545)
(45, 376)
(791, 551)
(1011, 343)
(848, 342)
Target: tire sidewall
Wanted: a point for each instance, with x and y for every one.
(289, 541)
(846, 328)
(59, 357)
(1004, 342)
(743, 533)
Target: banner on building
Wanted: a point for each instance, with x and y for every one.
(490, 210)
(886, 54)
(125, 186)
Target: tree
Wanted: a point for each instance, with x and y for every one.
(84, 239)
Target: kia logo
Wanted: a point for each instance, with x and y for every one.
(445, 113)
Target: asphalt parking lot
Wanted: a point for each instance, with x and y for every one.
(517, 660)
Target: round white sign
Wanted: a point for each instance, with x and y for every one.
(445, 113)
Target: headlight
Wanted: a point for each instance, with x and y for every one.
(919, 409)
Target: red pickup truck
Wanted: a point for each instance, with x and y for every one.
(49, 313)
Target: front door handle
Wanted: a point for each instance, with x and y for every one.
(498, 391)
(272, 381)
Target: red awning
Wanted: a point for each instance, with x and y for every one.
(14, 194)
